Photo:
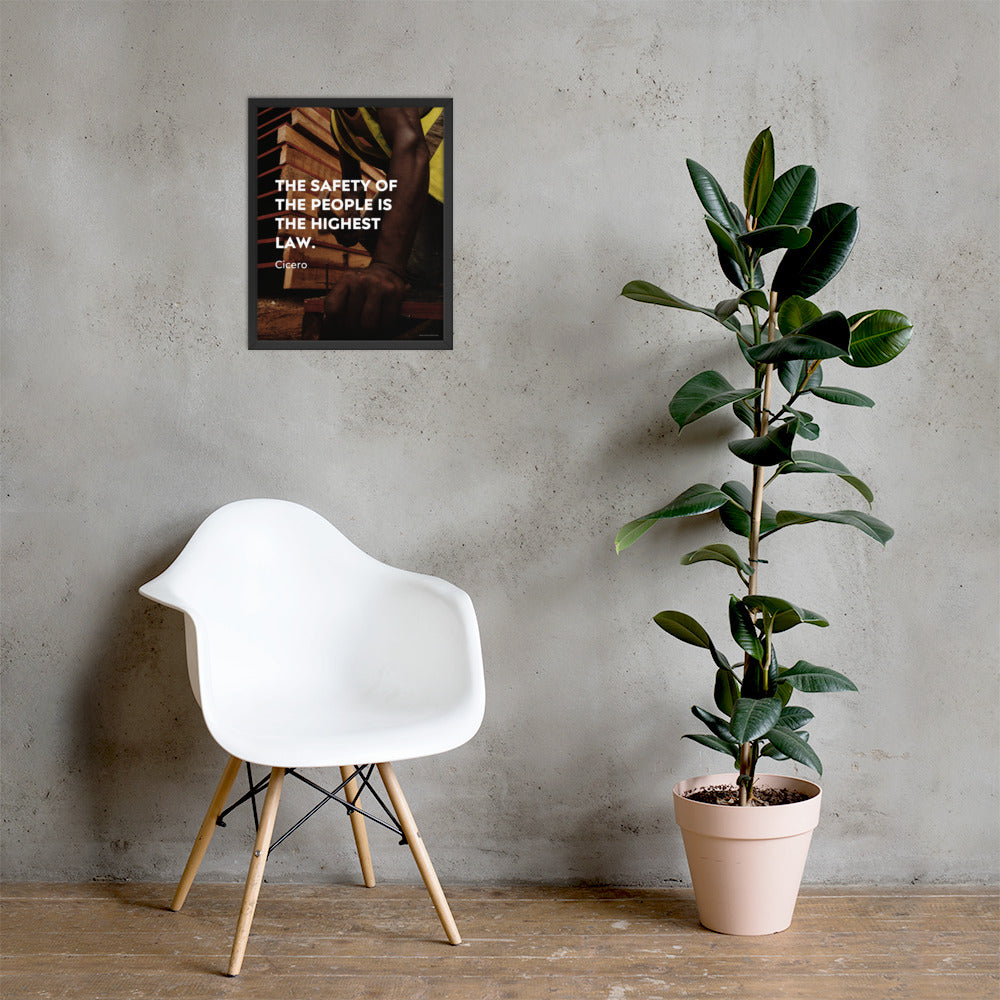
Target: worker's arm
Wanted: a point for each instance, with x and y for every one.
(350, 170)
(368, 300)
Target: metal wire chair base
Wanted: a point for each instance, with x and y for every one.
(362, 775)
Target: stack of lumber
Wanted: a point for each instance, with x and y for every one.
(296, 144)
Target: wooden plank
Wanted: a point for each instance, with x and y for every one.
(292, 137)
(103, 889)
(522, 943)
(312, 123)
(326, 169)
(470, 963)
(956, 900)
(266, 117)
(349, 937)
(287, 134)
(261, 982)
(643, 908)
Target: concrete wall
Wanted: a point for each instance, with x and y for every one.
(132, 409)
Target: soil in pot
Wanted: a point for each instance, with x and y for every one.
(729, 795)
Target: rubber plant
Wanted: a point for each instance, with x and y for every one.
(787, 341)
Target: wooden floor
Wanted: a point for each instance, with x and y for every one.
(102, 940)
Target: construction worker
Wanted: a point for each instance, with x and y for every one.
(406, 241)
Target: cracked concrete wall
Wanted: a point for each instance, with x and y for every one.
(131, 409)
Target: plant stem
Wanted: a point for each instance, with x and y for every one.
(763, 418)
(746, 773)
(756, 507)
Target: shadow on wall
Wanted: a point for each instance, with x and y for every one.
(145, 744)
(627, 822)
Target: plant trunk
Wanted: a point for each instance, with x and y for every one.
(747, 761)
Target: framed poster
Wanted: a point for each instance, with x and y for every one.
(350, 223)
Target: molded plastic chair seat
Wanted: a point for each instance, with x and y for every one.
(304, 651)
(333, 727)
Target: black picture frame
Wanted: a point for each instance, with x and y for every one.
(310, 162)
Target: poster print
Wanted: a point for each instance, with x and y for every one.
(350, 223)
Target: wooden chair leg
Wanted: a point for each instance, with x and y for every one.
(358, 826)
(420, 854)
(256, 873)
(204, 837)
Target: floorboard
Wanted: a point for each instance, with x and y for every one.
(118, 941)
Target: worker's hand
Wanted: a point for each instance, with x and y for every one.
(365, 302)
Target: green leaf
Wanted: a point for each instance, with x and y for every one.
(793, 315)
(872, 526)
(720, 661)
(727, 244)
(828, 336)
(753, 717)
(727, 691)
(846, 397)
(731, 749)
(736, 520)
(772, 607)
(704, 393)
(772, 448)
(718, 553)
(784, 620)
(795, 312)
(794, 746)
(793, 198)
(793, 374)
(770, 238)
(745, 343)
(713, 198)
(736, 515)
(815, 680)
(698, 499)
(794, 717)
(631, 532)
(806, 270)
(754, 685)
(738, 493)
(816, 461)
(733, 272)
(744, 414)
(720, 727)
(645, 291)
(793, 347)
(878, 337)
(724, 309)
(772, 751)
(683, 627)
(758, 173)
(755, 297)
(862, 487)
(742, 627)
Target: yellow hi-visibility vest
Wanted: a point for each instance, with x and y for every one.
(375, 150)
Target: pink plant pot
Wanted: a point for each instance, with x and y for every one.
(746, 862)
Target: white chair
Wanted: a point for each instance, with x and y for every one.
(303, 651)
